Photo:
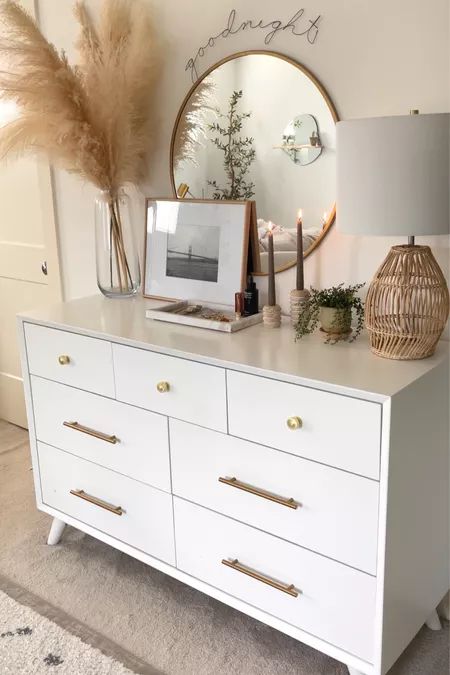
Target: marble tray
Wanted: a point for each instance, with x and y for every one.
(171, 313)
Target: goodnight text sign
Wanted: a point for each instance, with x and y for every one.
(298, 25)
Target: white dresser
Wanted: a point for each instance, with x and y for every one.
(303, 484)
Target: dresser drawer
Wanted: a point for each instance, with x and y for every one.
(129, 440)
(193, 391)
(69, 358)
(146, 520)
(332, 429)
(336, 512)
(334, 602)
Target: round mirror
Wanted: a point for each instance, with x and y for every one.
(259, 126)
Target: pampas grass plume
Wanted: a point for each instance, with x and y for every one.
(96, 119)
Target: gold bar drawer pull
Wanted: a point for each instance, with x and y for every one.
(117, 510)
(239, 567)
(91, 432)
(234, 482)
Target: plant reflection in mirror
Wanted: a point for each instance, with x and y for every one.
(194, 124)
(239, 152)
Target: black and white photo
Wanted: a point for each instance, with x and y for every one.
(193, 252)
(197, 249)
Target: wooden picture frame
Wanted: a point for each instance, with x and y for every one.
(220, 229)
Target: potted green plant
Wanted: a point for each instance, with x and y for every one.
(333, 308)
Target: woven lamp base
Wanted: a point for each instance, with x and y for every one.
(407, 304)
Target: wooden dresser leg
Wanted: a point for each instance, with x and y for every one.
(433, 622)
(56, 531)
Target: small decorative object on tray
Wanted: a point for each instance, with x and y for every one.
(251, 298)
(199, 249)
(271, 311)
(332, 307)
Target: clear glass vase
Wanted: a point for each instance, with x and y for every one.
(118, 271)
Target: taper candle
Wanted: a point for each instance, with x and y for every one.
(272, 297)
(300, 275)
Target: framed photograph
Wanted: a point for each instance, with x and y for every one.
(196, 250)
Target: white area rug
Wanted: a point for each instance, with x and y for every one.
(31, 644)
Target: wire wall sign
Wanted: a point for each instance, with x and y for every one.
(298, 25)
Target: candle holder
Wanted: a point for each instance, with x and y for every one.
(272, 316)
(298, 300)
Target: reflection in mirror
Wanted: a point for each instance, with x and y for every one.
(301, 140)
(259, 126)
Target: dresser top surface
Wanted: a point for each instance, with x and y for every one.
(344, 367)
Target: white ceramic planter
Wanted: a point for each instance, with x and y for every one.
(335, 321)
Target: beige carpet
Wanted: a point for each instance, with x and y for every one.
(172, 627)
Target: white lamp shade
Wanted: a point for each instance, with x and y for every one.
(393, 175)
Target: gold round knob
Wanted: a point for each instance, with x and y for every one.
(294, 423)
(63, 360)
(163, 387)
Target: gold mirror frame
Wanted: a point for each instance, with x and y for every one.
(328, 101)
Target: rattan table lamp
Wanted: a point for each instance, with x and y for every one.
(393, 179)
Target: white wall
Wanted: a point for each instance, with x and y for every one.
(374, 58)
